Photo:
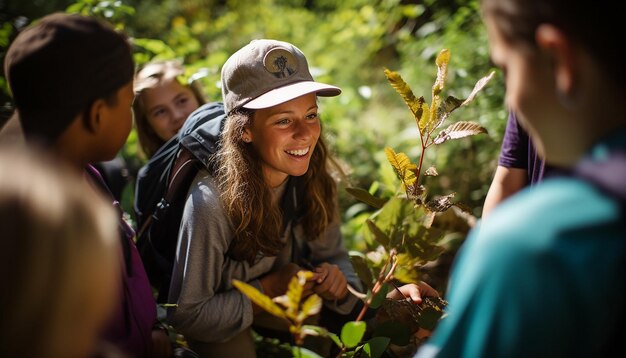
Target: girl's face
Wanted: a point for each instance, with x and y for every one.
(167, 106)
(285, 137)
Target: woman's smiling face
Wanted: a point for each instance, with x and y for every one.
(285, 136)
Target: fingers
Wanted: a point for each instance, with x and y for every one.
(332, 283)
(426, 290)
(414, 292)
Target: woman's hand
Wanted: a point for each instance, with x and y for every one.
(414, 292)
(275, 283)
(330, 283)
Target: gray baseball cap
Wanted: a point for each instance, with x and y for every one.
(266, 73)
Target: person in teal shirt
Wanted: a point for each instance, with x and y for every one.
(544, 274)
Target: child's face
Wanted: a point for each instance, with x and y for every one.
(285, 137)
(167, 106)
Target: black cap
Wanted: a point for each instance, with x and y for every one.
(59, 65)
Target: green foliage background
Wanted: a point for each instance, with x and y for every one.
(347, 43)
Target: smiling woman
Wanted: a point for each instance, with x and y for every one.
(162, 103)
(267, 212)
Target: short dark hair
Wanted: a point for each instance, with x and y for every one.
(60, 65)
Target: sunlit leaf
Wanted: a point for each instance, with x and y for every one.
(311, 306)
(364, 196)
(478, 87)
(423, 122)
(261, 300)
(459, 130)
(402, 166)
(415, 104)
(157, 47)
(443, 58)
(445, 109)
(376, 346)
(352, 333)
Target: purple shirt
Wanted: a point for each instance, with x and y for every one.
(130, 326)
(518, 151)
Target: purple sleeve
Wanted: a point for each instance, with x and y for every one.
(514, 150)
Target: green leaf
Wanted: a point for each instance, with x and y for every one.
(364, 196)
(380, 297)
(397, 332)
(376, 346)
(379, 235)
(300, 352)
(352, 333)
(359, 262)
(429, 317)
(261, 300)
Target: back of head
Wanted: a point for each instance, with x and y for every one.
(57, 67)
(595, 25)
(59, 258)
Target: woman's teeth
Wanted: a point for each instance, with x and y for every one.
(299, 152)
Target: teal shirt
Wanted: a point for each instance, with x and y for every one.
(543, 276)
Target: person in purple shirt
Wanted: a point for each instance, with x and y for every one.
(518, 165)
(71, 78)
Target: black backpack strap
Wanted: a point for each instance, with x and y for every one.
(180, 178)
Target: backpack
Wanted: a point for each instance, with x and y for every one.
(161, 190)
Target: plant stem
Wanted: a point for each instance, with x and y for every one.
(382, 278)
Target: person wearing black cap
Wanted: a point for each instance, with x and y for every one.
(268, 211)
(71, 78)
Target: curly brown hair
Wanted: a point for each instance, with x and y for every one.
(247, 199)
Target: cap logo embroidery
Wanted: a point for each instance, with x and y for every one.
(280, 62)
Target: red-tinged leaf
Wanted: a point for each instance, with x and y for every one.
(459, 130)
(478, 87)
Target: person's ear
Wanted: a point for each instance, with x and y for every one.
(94, 121)
(246, 136)
(563, 54)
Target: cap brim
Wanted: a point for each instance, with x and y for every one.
(289, 92)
